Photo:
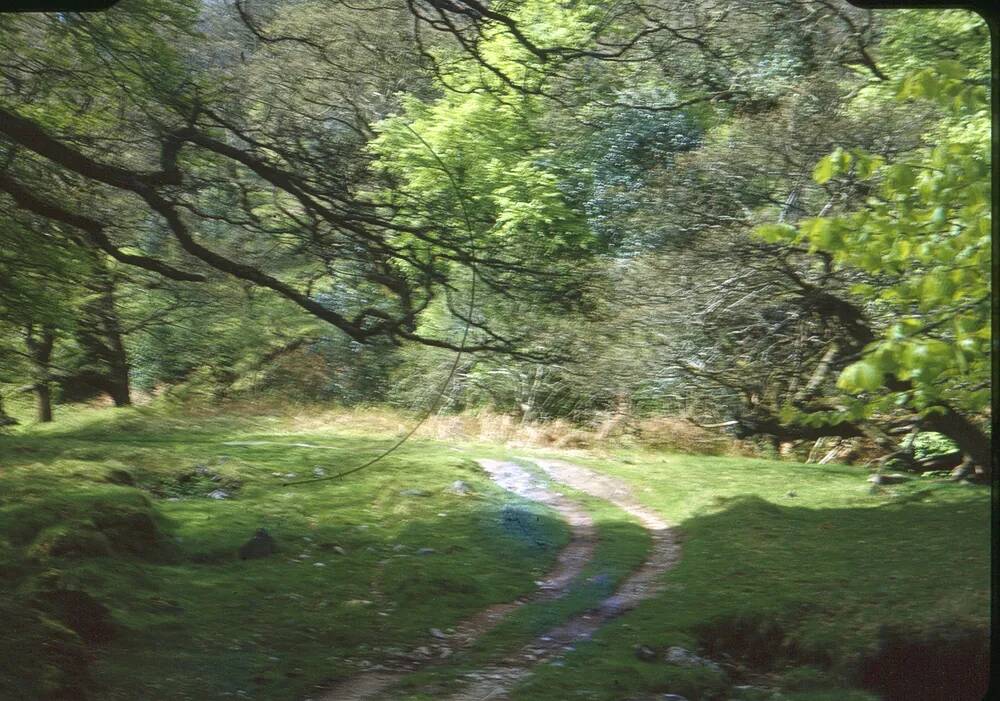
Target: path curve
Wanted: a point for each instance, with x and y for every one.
(570, 562)
(495, 682)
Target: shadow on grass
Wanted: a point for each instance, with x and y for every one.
(364, 565)
(874, 595)
(892, 598)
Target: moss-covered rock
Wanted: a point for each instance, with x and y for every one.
(120, 476)
(43, 660)
(78, 611)
(70, 540)
(129, 529)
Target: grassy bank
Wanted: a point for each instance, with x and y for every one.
(114, 507)
(795, 577)
(804, 582)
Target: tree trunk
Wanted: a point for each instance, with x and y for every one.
(970, 439)
(116, 357)
(40, 350)
(43, 393)
(100, 335)
(118, 380)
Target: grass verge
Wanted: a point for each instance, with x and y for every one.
(115, 511)
(803, 583)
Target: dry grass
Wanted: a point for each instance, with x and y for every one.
(670, 434)
(679, 435)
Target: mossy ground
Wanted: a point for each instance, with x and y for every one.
(787, 566)
(195, 622)
(813, 580)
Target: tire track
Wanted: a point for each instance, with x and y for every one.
(571, 561)
(495, 682)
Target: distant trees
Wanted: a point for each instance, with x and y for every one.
(578, 185)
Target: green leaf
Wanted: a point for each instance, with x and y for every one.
(824, 170)
(775, 233)
(861, 376)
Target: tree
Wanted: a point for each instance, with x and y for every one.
(38, 287)
(924, 235)
(202, 156)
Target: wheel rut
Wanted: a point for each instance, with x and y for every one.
(495, 681)
(569, 564)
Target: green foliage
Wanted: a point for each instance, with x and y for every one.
(927, 444)
(504, 175)
(924, 234)
(480, 155)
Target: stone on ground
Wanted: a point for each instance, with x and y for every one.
(260, 545)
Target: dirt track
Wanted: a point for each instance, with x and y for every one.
(495, 681)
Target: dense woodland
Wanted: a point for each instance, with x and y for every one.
(513, 349)
(769, 218)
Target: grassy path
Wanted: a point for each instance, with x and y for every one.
(498, 668)
(571, 562)
(495, 681)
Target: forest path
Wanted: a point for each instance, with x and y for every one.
(495, 681)
(570, 562)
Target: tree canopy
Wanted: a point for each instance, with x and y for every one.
(773, 217)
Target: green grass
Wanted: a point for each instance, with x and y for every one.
(797, 590)
(195, 622)
(779, 582)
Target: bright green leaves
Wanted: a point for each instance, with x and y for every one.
(488, 153)
(897, 180)
(924, 236)
(946, 83)
(829, 166)
(856, 163)
(471, 153)
(822, 234)
(861, 376)
(925, 360)
(776, 233)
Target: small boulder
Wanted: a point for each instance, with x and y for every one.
(119, 476)
(685, 658)
(218, 494)
(426, 551)
(260, 545)
(645, 653)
